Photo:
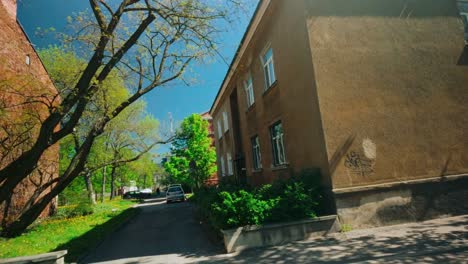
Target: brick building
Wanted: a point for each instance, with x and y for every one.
(372, 92)
(25, 90)
(213, 180)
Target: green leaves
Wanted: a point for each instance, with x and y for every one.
(192, 145)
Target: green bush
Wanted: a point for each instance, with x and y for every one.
(231, 205)
(238, 209)
(81, 209)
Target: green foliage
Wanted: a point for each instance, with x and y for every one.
(230, 206)
(76, 234)
(126, 136)
(239, 208)
(192, 145)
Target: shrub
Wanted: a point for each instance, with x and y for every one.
(230, 205)
(81, 209)
(293, 204)
(238, 209)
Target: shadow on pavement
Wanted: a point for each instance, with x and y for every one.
(161, 233)
(77, 246)
(422, 243)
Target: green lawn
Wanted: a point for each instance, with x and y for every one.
(77, 235)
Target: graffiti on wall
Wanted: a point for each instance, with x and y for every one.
(362, 162)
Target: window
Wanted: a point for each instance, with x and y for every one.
(277, 142)
(229, 164)
(220, 132)
(223, 168)
(463, 7)
(225, 119)
(257, 157)
(268, 68)
(249, 91)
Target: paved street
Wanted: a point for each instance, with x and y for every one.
(169, 234)
(161, 233)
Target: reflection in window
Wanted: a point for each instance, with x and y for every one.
(277, 142)
(463, 8)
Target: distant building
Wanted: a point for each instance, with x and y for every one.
(22, 78)
(213, 180)
(372, 93)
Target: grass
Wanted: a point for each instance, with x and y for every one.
(77, 235)
(346, 228)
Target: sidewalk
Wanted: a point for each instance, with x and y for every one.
(436, 241)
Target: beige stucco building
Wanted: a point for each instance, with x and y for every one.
(374, 93)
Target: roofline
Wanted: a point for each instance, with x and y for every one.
(256, 17)
(37, 53)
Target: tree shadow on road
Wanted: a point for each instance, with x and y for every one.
(161, 233)
(420, 243)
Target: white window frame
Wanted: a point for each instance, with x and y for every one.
(268, 67)
(226, 123)
(256, 153)
(219, 129)
(277, 142)
(463, 10)
(249, 91)
(223, 167)
(229, 164)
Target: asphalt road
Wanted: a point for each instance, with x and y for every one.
(161, 233)
(164, 233)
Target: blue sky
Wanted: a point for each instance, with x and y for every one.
(181, 101)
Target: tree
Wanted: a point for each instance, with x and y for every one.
(128, 135)
(193, 158)
(149, 43)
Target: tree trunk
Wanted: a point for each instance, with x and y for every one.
(112, 194)
(103, 189)
(89, 187)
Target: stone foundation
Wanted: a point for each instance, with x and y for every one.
(396, 203)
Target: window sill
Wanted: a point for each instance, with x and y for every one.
(280, 167)
(257, 170)
(249, 109)
(272, 86)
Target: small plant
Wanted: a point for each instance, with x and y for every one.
(346, 228)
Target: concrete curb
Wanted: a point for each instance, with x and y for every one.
(279, 233)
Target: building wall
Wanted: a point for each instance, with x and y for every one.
(392, 97)
(213, 180)
(292, 100)
(19, 121)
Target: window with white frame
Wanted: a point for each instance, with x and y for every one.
(268, 67)
(225, 119)
(277, 142)
(463, 8)
(219, 128)
(249, 92)
(257, 157)
(223, 168)
(229, 164)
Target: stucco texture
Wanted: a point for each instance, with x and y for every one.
(392, 98)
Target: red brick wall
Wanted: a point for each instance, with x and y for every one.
(25, 91)
(213, 180)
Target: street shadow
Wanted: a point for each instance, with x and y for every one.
(160, 231)
(419, 244)
(79, 245)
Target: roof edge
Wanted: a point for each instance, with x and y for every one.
(257, 15)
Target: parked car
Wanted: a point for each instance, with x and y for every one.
(146, 193)
(132, 195)
(175, 193)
